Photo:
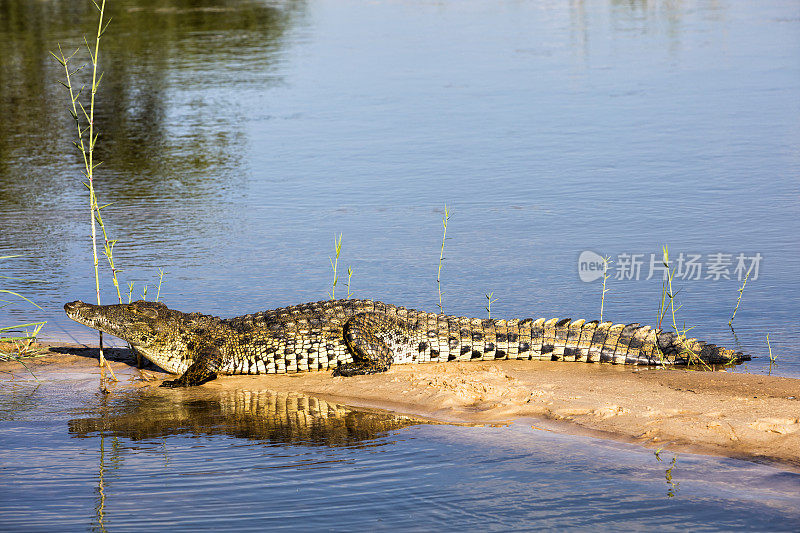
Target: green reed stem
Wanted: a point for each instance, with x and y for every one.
(23, 344)
(606, 261)
(489, 302)
(739, 300)
(772, 359)
(86, 145)
(161, 278)
(445, 219)
(668, 300)
(337, 243)
(108, 250)
(22, 341)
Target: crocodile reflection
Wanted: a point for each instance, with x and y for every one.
(258, 415)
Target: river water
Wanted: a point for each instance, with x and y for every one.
(73, 459)
(238, 138)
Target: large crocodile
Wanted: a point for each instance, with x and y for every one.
(355, 337)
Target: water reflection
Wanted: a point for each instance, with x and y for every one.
(161, 66)
(265, 415)
(637, 18)
(170, 135)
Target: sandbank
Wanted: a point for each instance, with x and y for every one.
(748, 416)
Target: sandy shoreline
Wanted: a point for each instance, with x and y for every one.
(748, 416)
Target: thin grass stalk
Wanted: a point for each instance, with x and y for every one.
(23, 343)
(666, 295)
(89, 160)
(13, 328)
(161, 278)
(772, 360)
(28, 338)
(64, 60)
(667, 292)
(20, 361)
(95, 209)
(445, 219)
(666, 298)
(739, 300)
(86, 148)
(671, 294)
(108, 249)
(18, 296)
(335, 265)
(662, 310)
(606, 261)
(28, 280)
(489, 302)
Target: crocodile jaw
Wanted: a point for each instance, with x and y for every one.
(120, 321)
(94, 316)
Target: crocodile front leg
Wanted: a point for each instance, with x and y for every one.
(370, 354)
(207, 362)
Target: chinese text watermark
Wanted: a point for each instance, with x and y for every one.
(687, 266)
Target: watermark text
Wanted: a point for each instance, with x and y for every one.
(687, 266)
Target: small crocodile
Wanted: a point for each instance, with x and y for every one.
(354, 337)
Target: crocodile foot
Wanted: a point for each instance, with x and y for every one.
(359, 369)
(173, 384)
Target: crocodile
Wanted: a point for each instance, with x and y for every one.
(356, 337)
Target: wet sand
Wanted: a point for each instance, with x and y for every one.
(747, 416)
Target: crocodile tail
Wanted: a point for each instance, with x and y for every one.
(633, 344)
(682, 351)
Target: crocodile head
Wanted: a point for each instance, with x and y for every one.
(139, 323)
(152, 329)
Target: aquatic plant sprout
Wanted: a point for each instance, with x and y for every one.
(489, 302)
(337, 245)
(445, 219)
(606, 262)
(19, 336)
(739, 300)
(668, 301)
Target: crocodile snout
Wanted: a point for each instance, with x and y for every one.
(72, 307)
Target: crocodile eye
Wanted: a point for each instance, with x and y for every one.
(145, 311)
(149, 312)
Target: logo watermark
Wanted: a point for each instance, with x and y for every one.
(687, 266)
